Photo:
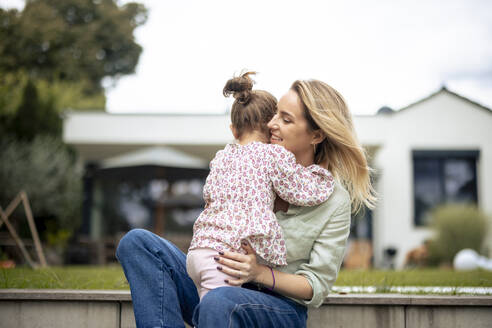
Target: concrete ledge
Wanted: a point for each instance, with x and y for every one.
(334, 299)
(65, 295)
(399, 299)
(105, 308)
(57, 308)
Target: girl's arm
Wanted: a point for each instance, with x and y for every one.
(296, 184)
(246, 269)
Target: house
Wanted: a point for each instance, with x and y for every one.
(435, 150)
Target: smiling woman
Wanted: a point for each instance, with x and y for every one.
(313, 123)
(290, 128)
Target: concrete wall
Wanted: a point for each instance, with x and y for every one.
(55, 308)
(399, 316)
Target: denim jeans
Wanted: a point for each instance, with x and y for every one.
(164, 295)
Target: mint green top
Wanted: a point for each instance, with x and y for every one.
(316, 238)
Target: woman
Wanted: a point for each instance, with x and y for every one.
(314, 123)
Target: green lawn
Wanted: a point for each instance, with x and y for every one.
(420, 277)
(112, 277)
(71, 277)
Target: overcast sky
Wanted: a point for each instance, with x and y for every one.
(374, 52)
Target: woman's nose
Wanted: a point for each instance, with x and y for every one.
(271, 124)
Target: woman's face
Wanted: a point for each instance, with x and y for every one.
(289, 128)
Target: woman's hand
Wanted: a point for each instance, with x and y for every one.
(242, 268)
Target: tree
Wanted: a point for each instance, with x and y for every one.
(35, 117)
(61, 95)
(11, 88)
(71, 40)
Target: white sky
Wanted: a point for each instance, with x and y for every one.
(376, 53)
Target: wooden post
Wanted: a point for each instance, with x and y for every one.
(13, 204)
(34, 230)
(17, 240)
(22, 196)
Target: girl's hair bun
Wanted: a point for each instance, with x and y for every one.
(240, 88)
(252, 109)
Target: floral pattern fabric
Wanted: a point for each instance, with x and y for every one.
(240, 192)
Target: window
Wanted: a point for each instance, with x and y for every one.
(441, 177)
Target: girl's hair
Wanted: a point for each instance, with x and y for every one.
(252, 109)
(340, 151)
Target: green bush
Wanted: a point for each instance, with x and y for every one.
(456, 226)
(46, 170)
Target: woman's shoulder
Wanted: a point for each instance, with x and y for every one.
(340, 195)
(338, 202)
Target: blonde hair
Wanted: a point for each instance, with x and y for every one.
(252, 109)
(340, 151)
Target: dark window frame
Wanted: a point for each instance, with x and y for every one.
(441, 156)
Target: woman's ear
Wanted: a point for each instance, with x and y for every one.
(318, 137)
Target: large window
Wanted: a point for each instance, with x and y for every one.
(441, 177)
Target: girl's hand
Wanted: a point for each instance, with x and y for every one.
(242, 268)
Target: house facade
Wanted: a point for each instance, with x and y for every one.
(436, 150)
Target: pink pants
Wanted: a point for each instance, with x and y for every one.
(202, 269)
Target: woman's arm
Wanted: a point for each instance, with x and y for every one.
(244, 268)
(288, 284)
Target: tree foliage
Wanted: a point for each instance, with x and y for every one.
(61, 95)
(71, 40)
(46, 170)
(35, 117)
(11, 88)
(54, 55)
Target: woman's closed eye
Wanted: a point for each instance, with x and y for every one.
(286, 118)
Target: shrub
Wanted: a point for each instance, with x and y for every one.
(46, 170)
(456, 226)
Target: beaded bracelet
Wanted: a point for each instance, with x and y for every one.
(273, 277)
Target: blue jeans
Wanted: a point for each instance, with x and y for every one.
(164, 295)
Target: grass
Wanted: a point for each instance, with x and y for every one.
(112, 277)
(71, 277)
(420, 278)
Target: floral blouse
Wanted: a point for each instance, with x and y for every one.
(240, 192)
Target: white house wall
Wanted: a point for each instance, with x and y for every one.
(443, 122)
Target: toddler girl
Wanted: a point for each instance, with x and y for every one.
(241, 188)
